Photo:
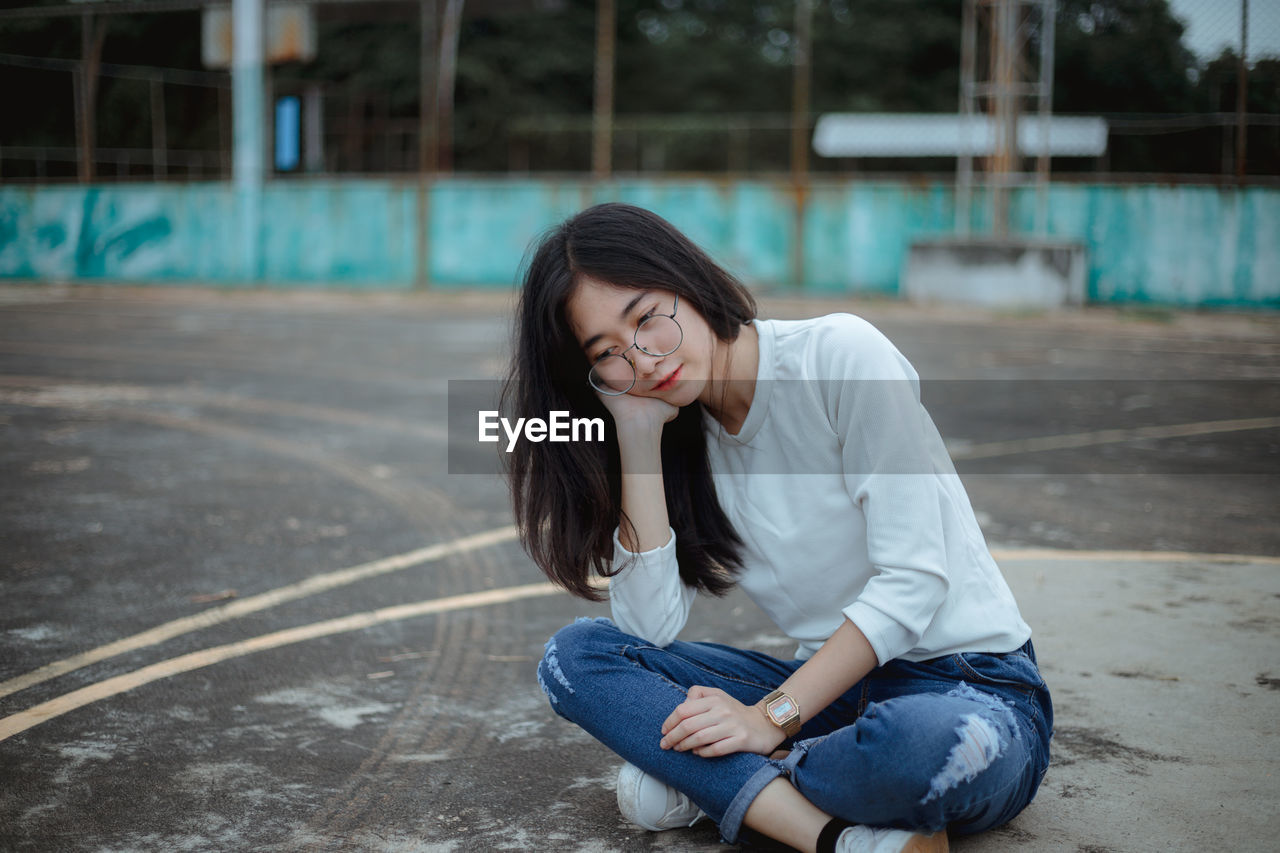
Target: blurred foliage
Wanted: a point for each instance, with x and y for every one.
(1122, 56)
(674, 57)
(39, 105)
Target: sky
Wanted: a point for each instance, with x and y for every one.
(1214, 24)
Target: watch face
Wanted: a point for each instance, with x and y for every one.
(781, 708)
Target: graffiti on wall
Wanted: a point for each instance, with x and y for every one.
(1171, 245)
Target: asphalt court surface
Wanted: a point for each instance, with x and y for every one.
(278, 622)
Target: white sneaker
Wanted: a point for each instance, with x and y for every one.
(648, 803)
(871, 839)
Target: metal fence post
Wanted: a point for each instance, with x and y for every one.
(248, 136)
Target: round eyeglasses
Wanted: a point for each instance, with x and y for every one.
(658, 334)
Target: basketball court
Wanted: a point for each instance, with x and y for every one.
(244, 604)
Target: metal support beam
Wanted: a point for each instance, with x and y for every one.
(428, 133)
(1045, 109)
(602, 109)
(248, 134)
(428, 13)
(93, 33)
(1242, 93)
(1005, 109)
(313, 127)
(450, 30)
(964, 165)
(159, 138)
(801, 75)
(998, 78)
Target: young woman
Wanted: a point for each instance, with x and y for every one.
(792, 459)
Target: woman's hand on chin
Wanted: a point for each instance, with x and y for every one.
(711, 723)
(642, 415)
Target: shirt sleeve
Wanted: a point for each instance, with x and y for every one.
(889, 451)
(647, 598)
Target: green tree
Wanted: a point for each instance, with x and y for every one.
(1216, 92)
(39, 103)
(1121, 56)
(519, 64)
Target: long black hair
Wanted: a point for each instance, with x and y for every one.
(567, 496)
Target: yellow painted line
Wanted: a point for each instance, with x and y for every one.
(24, 720)
(233, 610)
(1129, 556)
(34, 716)
(1107, 436)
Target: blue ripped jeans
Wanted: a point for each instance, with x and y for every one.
(960, 741)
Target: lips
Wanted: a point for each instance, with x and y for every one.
(670, 380)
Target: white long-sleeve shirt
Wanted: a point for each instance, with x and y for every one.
(848, 504)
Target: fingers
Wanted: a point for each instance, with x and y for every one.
(704, 724)
(686, 727)
(699, 701)
(727, 746)
(712, 742)
(712, 738)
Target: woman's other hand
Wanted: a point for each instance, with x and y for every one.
(711, 723)
(642, 415)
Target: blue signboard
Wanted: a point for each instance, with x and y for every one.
(288, 121)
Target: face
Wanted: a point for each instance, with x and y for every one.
(605, 317)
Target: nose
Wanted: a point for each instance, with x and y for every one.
(644, 363)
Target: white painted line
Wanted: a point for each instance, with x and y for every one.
(1107, 436)
(23, 720)
(252, 604)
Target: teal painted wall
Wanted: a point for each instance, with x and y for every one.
(1187, 246)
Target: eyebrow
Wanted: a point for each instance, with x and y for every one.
(625, 313)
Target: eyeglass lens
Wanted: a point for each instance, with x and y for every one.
(657, 336)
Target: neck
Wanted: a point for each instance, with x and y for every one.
(727, 396)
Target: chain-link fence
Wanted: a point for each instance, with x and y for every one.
(1189, 90)
(1232, 125)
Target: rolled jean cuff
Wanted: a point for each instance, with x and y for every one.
(731, 823)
